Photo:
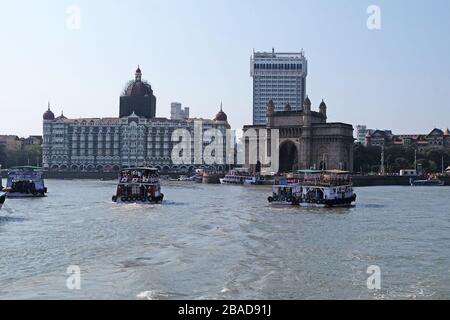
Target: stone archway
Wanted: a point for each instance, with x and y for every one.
(288, 156)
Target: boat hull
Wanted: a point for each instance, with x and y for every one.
(24, 195)
(132, 200)
(2, 199)
(428, 183)
(231, 183)
(282, 204)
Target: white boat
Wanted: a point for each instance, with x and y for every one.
(238, 176)
(138, 185)
(316, 189)
(427, 183)
(2, 198)
(25, 182)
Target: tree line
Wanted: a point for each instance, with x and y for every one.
(30, 155)
(368, 159)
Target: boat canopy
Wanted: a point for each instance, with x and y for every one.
(29, 168)
(309, 171)
(139, 169)
(336, 172)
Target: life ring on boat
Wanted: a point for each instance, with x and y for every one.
(128, 199)
(114, 198)
(270, 199)
(123, 199)
(150, 198)
(290, 199)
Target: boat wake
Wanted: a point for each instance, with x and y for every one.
(157, 295)
(8, 219)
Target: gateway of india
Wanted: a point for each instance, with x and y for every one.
(307, 140)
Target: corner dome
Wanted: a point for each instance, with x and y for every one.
(287, 107)
(48, 115)
(322, 104)
(221, 116)
(61, 117)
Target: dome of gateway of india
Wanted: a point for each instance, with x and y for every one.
(138, 87)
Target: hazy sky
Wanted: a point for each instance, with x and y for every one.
(197, 53)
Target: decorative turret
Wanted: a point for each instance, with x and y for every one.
(138, 74)
(287, 107)
(48, 115)
(61, 117)
(307, 112)
(221, 116)
(323, 108)
(307, 105)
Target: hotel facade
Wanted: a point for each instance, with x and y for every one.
(136, 138)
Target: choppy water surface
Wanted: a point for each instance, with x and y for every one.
(224, 242)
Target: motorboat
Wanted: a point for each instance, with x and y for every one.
(25, 182)
(138, 185)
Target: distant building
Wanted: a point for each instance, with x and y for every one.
(177, 112)
(11, 143)
(307, 140)
(136, 138)
(280, 77)
(361, 132)
(32, 140)
(436, 139)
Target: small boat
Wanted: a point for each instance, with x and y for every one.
(138, 185)
(212, 177)
(182, 179)
(238, 176)
(427, 183)
(2, 198)
(331, 188)
(25, 182)
(198, 177)
(259, 180)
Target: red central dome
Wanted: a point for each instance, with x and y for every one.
(137, 87)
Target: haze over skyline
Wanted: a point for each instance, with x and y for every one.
(198, 53)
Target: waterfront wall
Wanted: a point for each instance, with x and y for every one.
(358, 181)
(371, 181)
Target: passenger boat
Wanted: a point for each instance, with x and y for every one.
(239, 176)
(427, 183)
(138, 185)
(315, 189)
(25, 182)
